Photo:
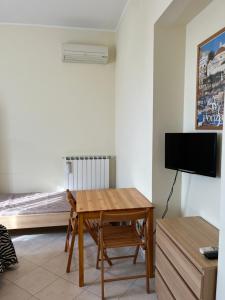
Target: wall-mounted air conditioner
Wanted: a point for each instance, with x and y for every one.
(77, 53)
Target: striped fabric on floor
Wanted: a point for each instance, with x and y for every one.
(7, 252)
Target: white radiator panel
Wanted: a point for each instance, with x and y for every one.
(86, 172)
(89, 172)
(106, 174)
(93, 174)
(98, 173)
(102, 174)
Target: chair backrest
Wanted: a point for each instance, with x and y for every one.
(91, 225)
(106, 217)
(71, 200)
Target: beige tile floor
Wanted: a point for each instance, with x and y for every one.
(41, 273)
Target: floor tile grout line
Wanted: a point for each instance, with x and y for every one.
(36, 266)
(86, 288)
(38, 291)
(44, 288)
(60, 277)
(54, 273)
(40, 246)
(27, 261)
(40, 265)
(76, 297)
(37, 248)
(21, 288)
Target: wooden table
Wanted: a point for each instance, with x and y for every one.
(91, 202)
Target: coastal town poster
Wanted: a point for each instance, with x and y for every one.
(211, 82)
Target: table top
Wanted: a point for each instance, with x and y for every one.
(111, 199)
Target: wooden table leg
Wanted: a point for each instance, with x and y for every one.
(150, 242)
(81, 249)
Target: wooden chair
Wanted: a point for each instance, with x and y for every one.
(123, 236)
(72, 229)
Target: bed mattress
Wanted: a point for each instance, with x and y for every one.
(33, 203)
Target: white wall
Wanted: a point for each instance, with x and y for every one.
(200, 194)
(221, 261)
(169, 66)
(49, 108)
(134, 104)
(134, 94)
(158, 8)
(168, 109)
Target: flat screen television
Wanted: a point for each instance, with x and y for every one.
(191, 152)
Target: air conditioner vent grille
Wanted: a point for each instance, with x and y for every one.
(76, 53)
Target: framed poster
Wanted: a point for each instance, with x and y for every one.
(211, 82)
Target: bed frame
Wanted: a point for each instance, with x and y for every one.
(35, 220)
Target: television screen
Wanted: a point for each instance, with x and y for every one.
(191, 152)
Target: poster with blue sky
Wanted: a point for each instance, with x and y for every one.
(211, 82)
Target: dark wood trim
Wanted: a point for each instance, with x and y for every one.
(197, 82)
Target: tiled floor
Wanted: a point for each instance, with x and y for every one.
(41, 274)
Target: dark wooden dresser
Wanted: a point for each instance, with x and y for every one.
(182, 273)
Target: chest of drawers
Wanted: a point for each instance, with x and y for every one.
(182, 273)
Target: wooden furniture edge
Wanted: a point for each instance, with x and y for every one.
(165, 292)
(209, 284)
(96, 214)
(82, 215)
(105, 192)
(209, 272)
(172, 286)
(179, 246)
(35, 220)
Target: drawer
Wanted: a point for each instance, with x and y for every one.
(173, 280)
(161, 289)
(186, 269)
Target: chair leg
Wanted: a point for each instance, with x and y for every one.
(147, 270)
(136, 254)
(107, 258)
(98, 254)
(71, 249)
(102, 271)
(67, 236)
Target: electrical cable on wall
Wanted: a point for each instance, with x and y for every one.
(170, 195)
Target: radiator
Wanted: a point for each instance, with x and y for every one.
(86, 172)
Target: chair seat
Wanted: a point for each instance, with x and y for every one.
(120, 236)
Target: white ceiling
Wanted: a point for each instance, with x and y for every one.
(96, 14)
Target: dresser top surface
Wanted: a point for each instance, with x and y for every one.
(189, 234)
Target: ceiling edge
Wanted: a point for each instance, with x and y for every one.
(57, 27)
(122, 15)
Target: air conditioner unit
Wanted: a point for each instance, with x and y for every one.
(77, 53)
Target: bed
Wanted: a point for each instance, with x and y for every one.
(32, 210)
